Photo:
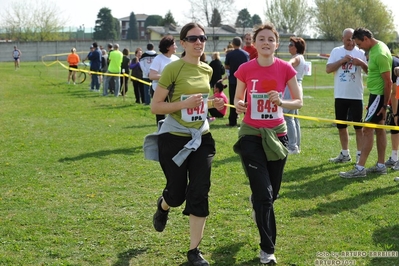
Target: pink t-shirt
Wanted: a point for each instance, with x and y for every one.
(224, 97)
(261, 113)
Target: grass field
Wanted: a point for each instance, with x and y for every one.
(75, 188)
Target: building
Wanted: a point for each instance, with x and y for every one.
(140, 18)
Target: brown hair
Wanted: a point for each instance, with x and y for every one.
(299, 43)
(267, 26)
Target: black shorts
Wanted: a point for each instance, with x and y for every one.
(373, 108)
(348, 110)
(73, 67)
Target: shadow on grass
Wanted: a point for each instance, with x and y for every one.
(103, 153)
(387, 239)
(348, 203)
(125, 257)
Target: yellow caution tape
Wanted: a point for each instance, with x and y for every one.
(317, 119)
(90, 72)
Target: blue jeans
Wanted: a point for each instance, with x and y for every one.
(106, 81)
(293, 125)
(147, 95)
(95, 84)
(293, 130)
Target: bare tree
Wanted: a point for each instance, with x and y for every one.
(289, 16)
(335, 15)
(28, 21)
(202, 10)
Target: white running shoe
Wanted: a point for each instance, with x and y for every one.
(341, 158)
(267, 258)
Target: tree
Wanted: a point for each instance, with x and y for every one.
(244, 20)
(169, 19)
(289, 16)
(132, 32)
(105, 26)
(216, 20)
(256, 20)
(153, 20)
(27, 21)
(336, 15)
(117, 28)
(201, 11)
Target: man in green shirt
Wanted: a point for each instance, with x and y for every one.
(114, 68)
(379, 84)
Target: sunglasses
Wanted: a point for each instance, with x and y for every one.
(194, 38)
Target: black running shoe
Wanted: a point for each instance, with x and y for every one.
(195, 258)
(160, 217)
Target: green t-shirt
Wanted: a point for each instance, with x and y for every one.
(191, 79)
(115, 61)
(380, 61)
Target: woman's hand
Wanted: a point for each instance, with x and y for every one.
(193, 101)
(274, 97)
(218, 103)
(241, 107)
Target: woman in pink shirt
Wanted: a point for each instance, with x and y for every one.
(262, 143)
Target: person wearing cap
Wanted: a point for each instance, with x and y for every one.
(95, 67)
(114, 70)
(73, 60)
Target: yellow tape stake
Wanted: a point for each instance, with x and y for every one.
(370, 125)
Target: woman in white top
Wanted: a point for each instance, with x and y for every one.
(296, 48)
(167, 47)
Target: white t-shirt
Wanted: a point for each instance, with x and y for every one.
(348, 83)
(159, 63)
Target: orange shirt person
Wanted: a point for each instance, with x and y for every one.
(73, 60)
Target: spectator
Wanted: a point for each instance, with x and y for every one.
(346, 62)
(218, 93)
(145, 63)
(95, 67)
(125, 66)
(73, 61)
(379, 84)
(233, 60)
(249, 47)
(296, 47)
(114, 69)
(218, 68)
(138, 74)
(167, 47)
(16, 54)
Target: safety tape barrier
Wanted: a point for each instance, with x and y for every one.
(317, 119)
(89, 71)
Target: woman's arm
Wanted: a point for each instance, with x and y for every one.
(159, 106)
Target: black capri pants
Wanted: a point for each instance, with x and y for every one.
(191, 181)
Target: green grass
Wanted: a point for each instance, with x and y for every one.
(75, 188)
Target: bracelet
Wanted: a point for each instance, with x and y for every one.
(211, 105)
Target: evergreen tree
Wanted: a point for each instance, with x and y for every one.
(132, 32)
(169, 19)
(216, 20)
(105, 25)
